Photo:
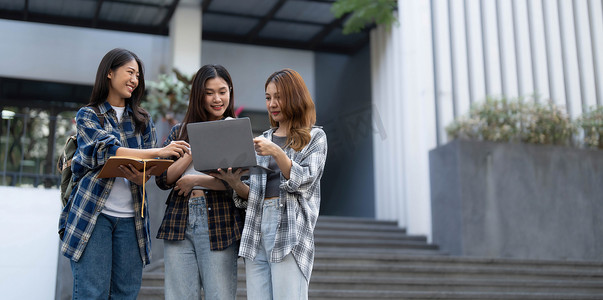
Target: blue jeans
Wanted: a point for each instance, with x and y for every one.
(111, 266)
(191, 266)
(269, 280)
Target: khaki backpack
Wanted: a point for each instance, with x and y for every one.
(64, 161)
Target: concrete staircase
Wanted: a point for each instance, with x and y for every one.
(367, 259)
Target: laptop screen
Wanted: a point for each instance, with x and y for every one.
(222, 144)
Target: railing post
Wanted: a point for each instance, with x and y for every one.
(49, 163)
(6, 115)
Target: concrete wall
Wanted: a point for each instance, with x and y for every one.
(249, 66)
(404, 111)
(517, 200)
(29, 247)
(71, 55)
(343, 105)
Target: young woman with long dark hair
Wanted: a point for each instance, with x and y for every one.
(201, 227)
(102, 228)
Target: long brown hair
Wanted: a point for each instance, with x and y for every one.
(111, 62)
(296, 105)
(196, 111)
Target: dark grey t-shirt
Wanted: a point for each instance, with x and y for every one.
(274, 178)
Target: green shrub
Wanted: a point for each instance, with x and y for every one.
(591, 123)
(364, 13)
(546, 123)
(168, 96)
(516, 120)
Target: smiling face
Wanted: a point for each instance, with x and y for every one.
(217, 97)
(124, 81)
(273, 104)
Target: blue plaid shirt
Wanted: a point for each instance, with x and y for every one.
(95, 146)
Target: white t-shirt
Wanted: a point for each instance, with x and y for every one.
(120, 203)
(191, 171)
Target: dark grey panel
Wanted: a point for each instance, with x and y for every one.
(255, 8)
(343, 108)
(132, 14)
(337, 37)
(12, 5)
(227, 24)
(288, 31)
(306, 11)
(66, 8)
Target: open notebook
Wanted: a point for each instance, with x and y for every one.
(111, 169)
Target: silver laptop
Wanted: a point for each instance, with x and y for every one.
(223, 144)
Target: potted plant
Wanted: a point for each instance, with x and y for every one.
(167, 98)
(591, 123)
(516, 182)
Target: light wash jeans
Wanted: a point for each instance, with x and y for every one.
(111, 266)
(267, 280)
(191, 266)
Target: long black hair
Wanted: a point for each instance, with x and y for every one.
(196, 111)
(111, 62)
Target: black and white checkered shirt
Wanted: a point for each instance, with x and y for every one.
(300, 198)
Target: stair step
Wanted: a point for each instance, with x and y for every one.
(451, 284)
(359, 258)
(153, 279)
(456, 273)
(372, 243)
(147, 293)
(359, 227)
(346, 294)
(151, 293)
(378, 251)
(392, 257)
(392, 235)
(371, 288)
(353, 220)
(460, 271)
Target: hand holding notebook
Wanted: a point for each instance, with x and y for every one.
(111, 167)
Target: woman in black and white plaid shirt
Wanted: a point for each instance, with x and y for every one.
(282, 207)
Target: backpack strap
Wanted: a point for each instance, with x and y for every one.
(100, 116)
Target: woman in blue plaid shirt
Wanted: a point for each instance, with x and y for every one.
(201, 227)
(282, 207)
(102, 229)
